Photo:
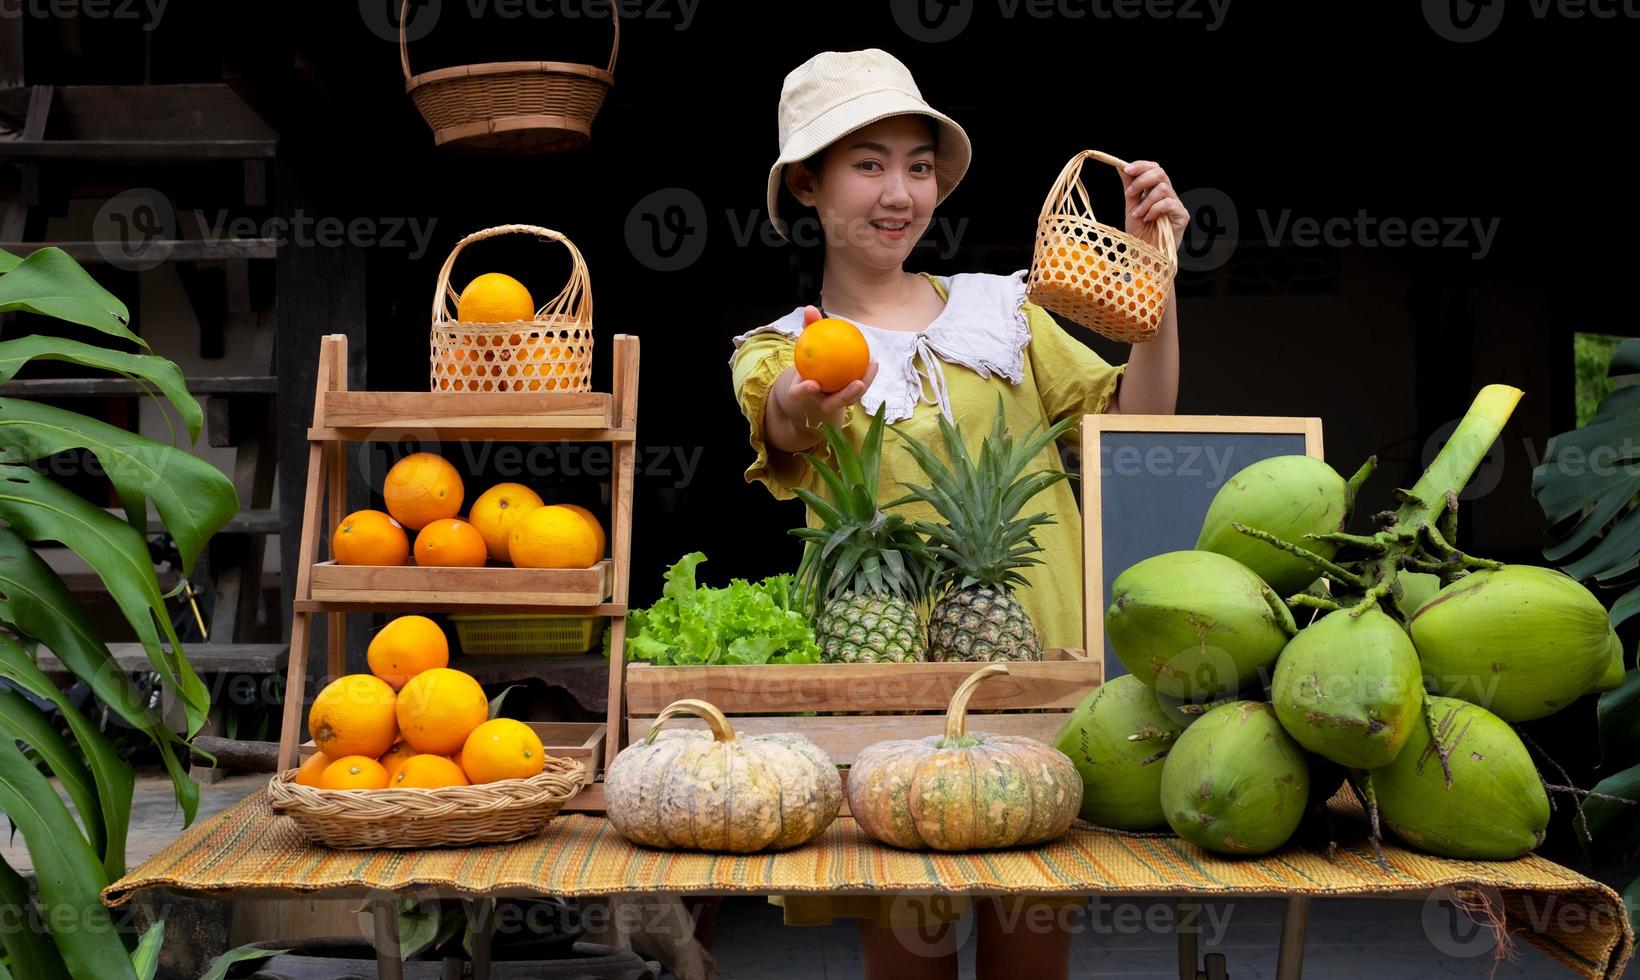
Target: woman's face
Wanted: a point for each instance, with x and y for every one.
(875, 192)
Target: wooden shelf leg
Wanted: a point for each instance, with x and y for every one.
(1295, 922)
(389, 964)
(481, 916)
(290, 731)
(1186, 916)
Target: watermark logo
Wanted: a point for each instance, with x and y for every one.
(382, 18)
(666, 230)
(932, 21)
(1463, 21)
(1450, 928)
(134, 229)
(1210, 238)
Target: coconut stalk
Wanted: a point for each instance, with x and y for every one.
(1419, 535)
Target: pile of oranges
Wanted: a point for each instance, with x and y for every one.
(509, 524)
(413, 722)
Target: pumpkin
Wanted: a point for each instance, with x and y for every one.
(718, 791)
(962, 792)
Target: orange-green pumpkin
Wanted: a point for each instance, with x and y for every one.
(718, 791)
(962, 792)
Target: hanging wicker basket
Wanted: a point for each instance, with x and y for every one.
(510, 106)
(1094, 274)
(552, 352)
(455, 816)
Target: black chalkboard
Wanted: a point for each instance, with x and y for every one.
(1147, 483)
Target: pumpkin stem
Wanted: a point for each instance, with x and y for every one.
(715, 719)
(956, 715)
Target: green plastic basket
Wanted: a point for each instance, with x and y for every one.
(493, 635)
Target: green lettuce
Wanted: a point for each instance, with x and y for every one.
(742, 623)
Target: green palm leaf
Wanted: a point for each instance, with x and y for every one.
(22, 721)
(50, 283)
(159, 372)
(193, 497)
(31, 953)
(40, 510)
(113, 778)
(67, 875)
(36, 602)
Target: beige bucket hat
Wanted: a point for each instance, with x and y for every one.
(836, 92)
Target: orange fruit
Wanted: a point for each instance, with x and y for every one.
(308, 773)
(451, 543)
(422, 488)
(395, 757)
(592, 521)
(496, 511)
(832, 352)
(428, 772)
(553, 537)
(495, 297)
(439, 708)
(369, 537)
(354, 772)
(405, 647)
(354, 715)
(502, 749)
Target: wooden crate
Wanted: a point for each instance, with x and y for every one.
(1033, 699)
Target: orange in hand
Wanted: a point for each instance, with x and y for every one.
(450, 543)
(422, 488)
(369, 537)
(832, 353)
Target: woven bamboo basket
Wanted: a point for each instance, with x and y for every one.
(1094, 274)
(455, 816)
(552, 352)
(510, 106)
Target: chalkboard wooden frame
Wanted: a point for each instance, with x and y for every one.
(1093, 429)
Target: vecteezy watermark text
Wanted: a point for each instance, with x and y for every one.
(147, 11)
(936, 21)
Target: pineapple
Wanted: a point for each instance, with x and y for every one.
(865, 574)
(983, 542)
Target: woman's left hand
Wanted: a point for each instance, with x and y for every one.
(1151, 198)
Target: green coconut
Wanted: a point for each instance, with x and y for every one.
(1234, 782)
(1349, 688)
(1285, 496)
(1612, 679)
(1416, 589)
(1521, 641)
(1194, 624)
(1117, 738)
(1494, 807)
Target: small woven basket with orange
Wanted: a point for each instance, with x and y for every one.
(1109, 281)
(510, 106)
(552, 352)
(452, 816)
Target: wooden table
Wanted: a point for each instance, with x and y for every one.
(248, 852)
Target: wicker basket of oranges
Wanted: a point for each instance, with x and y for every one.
(1109, 281)
(492, 337)
(409, 757)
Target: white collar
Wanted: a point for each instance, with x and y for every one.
(983, 327)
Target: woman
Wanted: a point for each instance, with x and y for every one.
(865, 161)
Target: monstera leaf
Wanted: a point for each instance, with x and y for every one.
(50, 283)
(146, 369)
(1588, 485)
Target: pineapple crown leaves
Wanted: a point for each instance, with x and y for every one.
(858, 546)
(982, 539)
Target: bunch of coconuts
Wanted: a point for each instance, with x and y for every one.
(1401, 672)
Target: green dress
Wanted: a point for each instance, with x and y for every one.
(1058, 377)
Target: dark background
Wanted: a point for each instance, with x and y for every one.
(1318, 111)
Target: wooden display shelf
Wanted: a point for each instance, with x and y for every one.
(859, 704)
(341, 416)
(360, 416)
(395, 585)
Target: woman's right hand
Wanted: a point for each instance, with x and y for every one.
(802, 405)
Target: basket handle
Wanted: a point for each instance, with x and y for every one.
(574, 300)
(404, 42)
(1069, 187)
